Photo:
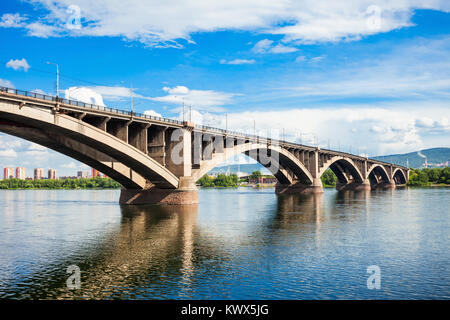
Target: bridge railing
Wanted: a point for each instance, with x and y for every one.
(76, 103)
(230, 132)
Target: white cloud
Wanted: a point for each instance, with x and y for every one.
(378, 129)
(425, 122)
(84, 94)
(70, 165)
(96, 94)
(42, 30)
(8, 153)
(428, 125)
(279, 48)
(40, 91)
(237, 61)
(36, 147)
(12, 20)
(374, 130)
(177, 90)
(318, 58)
(18, 64)
(266, 46)
(36, 153)
(165, 23)
(6, 83)
(199, 99)
(152, 113)
(262, 46)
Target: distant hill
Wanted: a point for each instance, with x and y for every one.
(435, 157)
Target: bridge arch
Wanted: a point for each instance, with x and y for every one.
(279, 161)
(78, 151)
(399, 176)
(378, 174)
(344, 168)
(67, 135)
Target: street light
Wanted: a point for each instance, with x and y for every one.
(131, 96)
(182, 99)
(57, 77)
(226, 121)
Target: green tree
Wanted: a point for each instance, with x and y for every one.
(206, 181)
(328, 178)
(418, 178)
(445, 176)
(256, 174)
(434, 175)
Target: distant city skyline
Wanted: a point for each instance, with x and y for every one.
(39, 173)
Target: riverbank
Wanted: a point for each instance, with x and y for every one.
(56, 184)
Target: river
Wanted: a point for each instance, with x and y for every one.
(236, 244)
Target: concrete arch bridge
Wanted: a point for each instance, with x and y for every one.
(158, 160)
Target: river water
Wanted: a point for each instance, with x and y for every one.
(236, 244)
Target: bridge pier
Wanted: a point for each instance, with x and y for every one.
(300, 188)
(354, 186)
(385, 185)
(186, 194)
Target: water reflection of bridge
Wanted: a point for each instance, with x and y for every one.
(163, 251)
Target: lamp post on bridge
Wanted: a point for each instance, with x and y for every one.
(57, 77)
(131, 96)
(226, 121)
(182, 99)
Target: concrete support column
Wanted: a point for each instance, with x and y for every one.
(314, 164)
(218, 144)
(364, 173)
(317, 183)
(156, 143)
(196, 149)
(122, 131)
(179, 152)
(102, 124)
(207, 147)
(229, 142)
(138, 136)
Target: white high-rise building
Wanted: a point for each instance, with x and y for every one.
(20, 173)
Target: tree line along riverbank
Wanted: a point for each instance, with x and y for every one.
(417, 178)
(80, 183)
(429, 177)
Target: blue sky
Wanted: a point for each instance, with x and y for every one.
(364, 76)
